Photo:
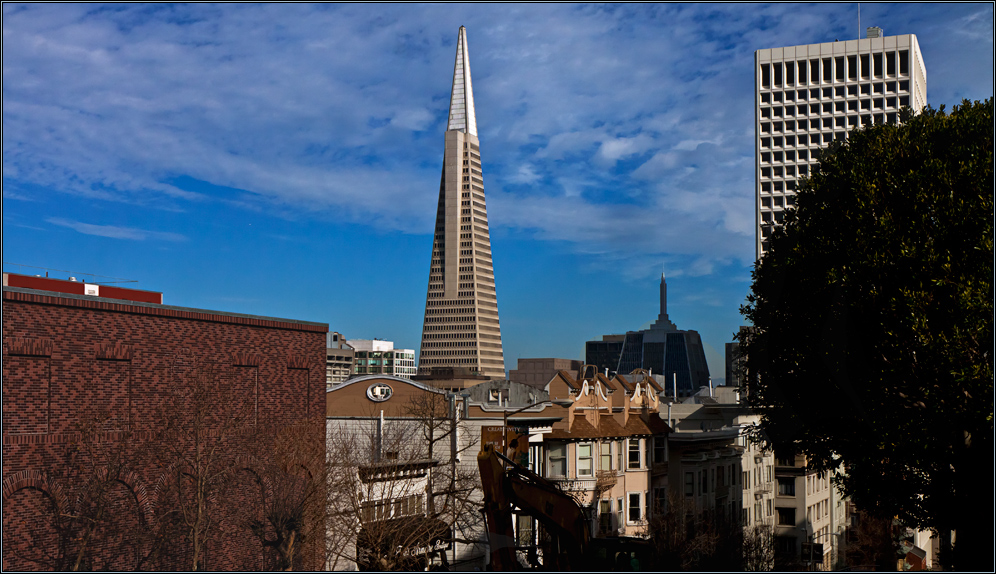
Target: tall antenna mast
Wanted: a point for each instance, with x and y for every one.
(859, 20)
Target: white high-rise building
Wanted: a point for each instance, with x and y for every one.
(808, 96)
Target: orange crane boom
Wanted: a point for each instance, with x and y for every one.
(507, 486)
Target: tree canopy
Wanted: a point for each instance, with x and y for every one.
(872, 313)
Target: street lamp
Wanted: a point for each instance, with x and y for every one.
(506, 414)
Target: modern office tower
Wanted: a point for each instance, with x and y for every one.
(808, 96)
(461, 326)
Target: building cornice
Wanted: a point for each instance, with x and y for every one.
(34, 296)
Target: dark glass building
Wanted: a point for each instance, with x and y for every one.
(663, 349)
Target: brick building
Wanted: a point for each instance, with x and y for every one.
(88, 375)
(538, 372)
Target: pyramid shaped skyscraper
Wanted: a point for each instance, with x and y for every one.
(461, 327)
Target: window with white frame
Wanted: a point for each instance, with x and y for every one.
(635, 507)
(557, 456)
(584, 459)
(605, 515)
(605, 456)
(524, 529)
(634, 453)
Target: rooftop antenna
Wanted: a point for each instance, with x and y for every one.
(859, 20)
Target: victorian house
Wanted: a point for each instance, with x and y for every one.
(605, 449)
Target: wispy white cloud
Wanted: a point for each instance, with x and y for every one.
(525, 174)
(623, 130)
(115, 232)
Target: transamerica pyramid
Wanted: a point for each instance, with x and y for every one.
(461, 326)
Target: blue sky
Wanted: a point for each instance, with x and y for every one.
(284, 160)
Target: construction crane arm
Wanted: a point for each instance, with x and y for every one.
(507, 486)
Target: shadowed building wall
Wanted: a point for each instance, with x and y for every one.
(67, 357)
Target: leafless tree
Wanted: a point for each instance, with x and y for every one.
(87, 514)
(208, 472)
(205, 421)
(871, 544)
(758, 548)
(685, 538)
(453, 491)
(393, 488)
(291, 466)
(376, 496)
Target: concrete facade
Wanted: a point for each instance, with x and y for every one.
(810, 516)
(461, 326)
(716, 467)
(339, 360)
(807, 96)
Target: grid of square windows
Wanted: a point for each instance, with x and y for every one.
(804, 103)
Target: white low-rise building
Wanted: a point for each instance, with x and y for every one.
(378, 357)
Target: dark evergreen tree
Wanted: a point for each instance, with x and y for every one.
(872, 343)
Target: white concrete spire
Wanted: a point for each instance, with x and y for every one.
(462, 116)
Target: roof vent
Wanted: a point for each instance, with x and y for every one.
(873, 32)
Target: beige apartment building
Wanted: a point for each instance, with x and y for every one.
(716, 465)
(810, 516)
(606, 448)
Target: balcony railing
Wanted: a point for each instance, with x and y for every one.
(575, 484)
(605, 480)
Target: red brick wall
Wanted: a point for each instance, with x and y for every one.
(65, 358)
